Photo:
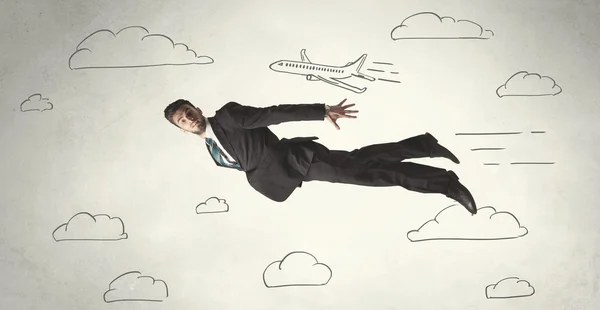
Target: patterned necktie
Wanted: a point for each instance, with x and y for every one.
(218, 155)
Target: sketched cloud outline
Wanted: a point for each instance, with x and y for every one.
(487, 224)
(429, 25)
(528, 84)
(297, 268)
(106, 49)
(511, 287)
(212, 205)
(87, 227)
(36, 102)
(132, 286)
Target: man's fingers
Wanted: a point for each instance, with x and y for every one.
(349, 105)
(334, 123)
(346, 115)
(342, 102)
(329, 120)
(351, 111)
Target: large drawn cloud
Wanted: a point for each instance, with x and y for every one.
(511, 287)
(132, 47)
(212, 205)
(36, 102)
(84, 226)
(453, 223)
(428, 25)
(296, 269)
(524, 83)
(132, 286)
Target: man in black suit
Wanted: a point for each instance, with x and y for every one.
(238, 137)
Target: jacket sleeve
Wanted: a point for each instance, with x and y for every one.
(251, 117)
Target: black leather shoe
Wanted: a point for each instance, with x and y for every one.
(461, 194)
(440, 151)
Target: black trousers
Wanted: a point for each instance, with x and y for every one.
(381, 165)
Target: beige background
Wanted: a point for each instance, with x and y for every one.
(105, 148)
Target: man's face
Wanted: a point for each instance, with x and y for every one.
(190, 119)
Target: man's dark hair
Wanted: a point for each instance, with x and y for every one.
(172, 107)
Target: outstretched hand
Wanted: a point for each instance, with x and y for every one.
(339, 111)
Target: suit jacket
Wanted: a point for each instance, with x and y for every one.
(273, 167)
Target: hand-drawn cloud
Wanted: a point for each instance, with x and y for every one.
(452, 223)
(510, 287)
(132, 286)
(428, 25)
(36, 102)
(212, 205)
(84, 226)
(296, 269)
(132, 47)
(524, 83)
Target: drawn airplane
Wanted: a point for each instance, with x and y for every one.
(325, 73)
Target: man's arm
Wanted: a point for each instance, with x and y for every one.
(252, 117)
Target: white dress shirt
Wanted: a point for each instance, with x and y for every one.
(211, 134)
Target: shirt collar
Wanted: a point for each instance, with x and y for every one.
(209, 133)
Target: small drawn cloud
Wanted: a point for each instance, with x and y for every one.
(84, 226)
(296, 269)
(524, 83)
(132, 286)
(452, 223)
(212, 205)
(510, 287)
(132, 47)
(36, 102)
(428, 25)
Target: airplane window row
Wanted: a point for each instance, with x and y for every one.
(314, 68)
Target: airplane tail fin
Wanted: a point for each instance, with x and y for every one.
(357, 65)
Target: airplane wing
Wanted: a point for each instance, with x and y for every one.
(363, 76)
(303, 56)
(338, 83)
